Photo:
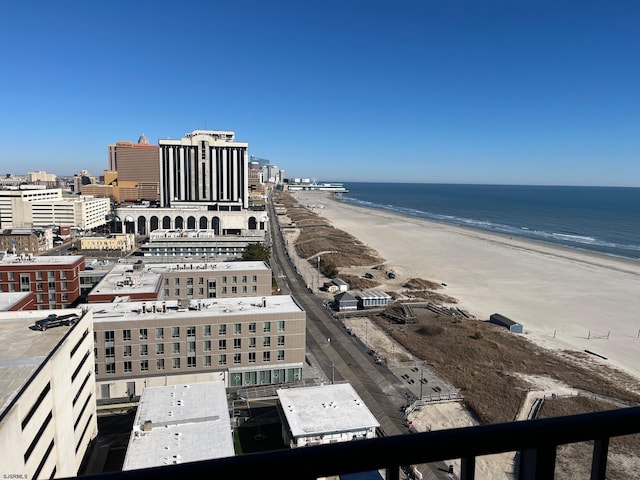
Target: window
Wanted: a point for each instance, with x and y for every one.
(126, 335)
(191, 362)
(160, 364)
(244, 279)
(63, 285)
(207, 360)
(234, 290)
(223, 291)
(191, 331)
(254, 289)
(222, 329)
(191, 347)
(252, 327)
(144, 350)
(175, 347)
(39, 275)
(109, 336)
(252, 357)
(266, 327)
(175, 363)
(280, 355)
(189, 281)
(237, 358)
(244, 289)
(234, 279)
(237, 343)
(144, 365)
(266, 341)
(25, 283)
(11, 276)
(254, 279)
(206, 330)
(40, 298)
(207, 346)
(176, 292)
(63, 274)
(222, 344)
(143, 334)
(266, 356)
(280, 340)
(200, 280)
(176, 281)
(175, 332)
(39, 287)
(166, 292)
(159, 333)
(281, 325)
(222, 359)
(127, 366)
(126, 351)
(237, 328)
(252, 342)
(159, 348)
(111, 368)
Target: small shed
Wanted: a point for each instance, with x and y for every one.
(345, 301)
(373, 298)
(341, 284)
(503, 321)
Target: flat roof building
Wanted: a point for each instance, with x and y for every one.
(183, 281)
(47, 395)
(324, 414)
(243, 341)
(52, 280)
(179, 424)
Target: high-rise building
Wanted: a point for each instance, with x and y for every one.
(47, 394)
(137, 164)
(205, 168)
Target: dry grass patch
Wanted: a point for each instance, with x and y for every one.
(482, 360)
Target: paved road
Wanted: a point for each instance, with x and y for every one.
(344, 357)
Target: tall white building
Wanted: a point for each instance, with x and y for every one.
(204, 168)
(47, 395)
(34, 208)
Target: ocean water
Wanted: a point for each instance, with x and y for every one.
(597, 219)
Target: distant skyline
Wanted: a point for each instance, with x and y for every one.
(495, 92)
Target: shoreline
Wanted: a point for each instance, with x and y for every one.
(565, 298)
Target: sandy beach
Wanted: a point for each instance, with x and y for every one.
(565, 298)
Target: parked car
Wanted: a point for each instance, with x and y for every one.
(391, 275)
(368, 275)
(55, 320)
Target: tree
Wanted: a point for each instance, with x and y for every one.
(256, 251)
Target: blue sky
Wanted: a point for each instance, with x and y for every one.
(436, 91)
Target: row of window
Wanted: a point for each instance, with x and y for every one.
(192, 362)
(211, 293)
(191, 346)
(223, 279)
(143, 333)
(51, 275)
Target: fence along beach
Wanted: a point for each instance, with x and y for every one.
(565, 298)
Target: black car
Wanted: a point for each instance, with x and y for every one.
(55, 320)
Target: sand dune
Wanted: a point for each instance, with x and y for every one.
(566, 299)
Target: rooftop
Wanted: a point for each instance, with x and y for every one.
(8, 299)
(325, 409)
(22, 259)
(205, 308)
(23, 349)
(178, 424)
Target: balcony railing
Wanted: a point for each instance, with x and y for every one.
(536, 440)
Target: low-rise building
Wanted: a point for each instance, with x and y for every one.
(372, 298)
(26, 240)
(179, 424)
(52, 280)
(183, 281)
(324, 414)
(122, 242)
(242, 341)
(47, 395)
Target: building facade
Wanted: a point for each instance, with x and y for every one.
(205, 167)
(47, 396)
(137, 164)
(184, 281)
(53, 280)
(26, 241)
(122, 242)
(244, 342)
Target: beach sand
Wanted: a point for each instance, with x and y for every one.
(565, 298)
